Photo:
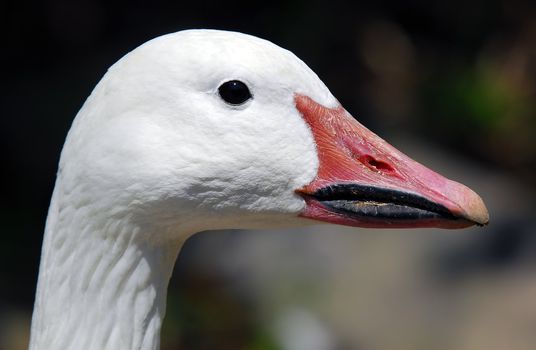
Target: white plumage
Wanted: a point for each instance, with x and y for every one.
(155, 155)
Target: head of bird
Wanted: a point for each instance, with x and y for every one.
(206, 129)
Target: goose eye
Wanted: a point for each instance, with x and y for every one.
(234, 92)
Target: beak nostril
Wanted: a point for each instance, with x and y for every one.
(374, 164)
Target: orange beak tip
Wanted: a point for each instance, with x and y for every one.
(475, 210)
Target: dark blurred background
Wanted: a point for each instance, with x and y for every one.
(453, 84)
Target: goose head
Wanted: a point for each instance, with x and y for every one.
(205, 129)
(202, 130)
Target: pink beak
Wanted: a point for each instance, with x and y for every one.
(363, 181)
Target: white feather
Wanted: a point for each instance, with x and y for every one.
(155, 155)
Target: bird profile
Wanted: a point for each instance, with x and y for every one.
(205, 130)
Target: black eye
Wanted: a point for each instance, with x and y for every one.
(234, 92)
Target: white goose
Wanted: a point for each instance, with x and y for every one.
(202, 130)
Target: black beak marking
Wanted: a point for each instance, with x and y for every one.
(379, 203)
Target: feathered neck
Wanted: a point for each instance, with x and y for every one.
(102, 283)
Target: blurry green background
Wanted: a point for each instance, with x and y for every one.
(452, 84)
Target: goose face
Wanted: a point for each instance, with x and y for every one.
(167, 135)
(224, 130)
